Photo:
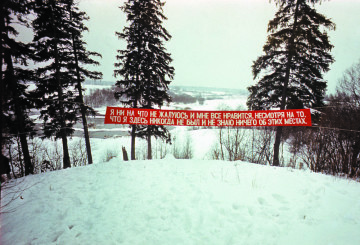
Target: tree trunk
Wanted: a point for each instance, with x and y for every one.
(125, 155)
(11, 163)
(66, 156)
(29, 168)
(82, 106)
(86, 134)
(133, 128)
(20, 160)
(290, 51)
(19, 112)
(221, 145)
(354, 157)
(149, 150)
(278, 135)
(133, 136)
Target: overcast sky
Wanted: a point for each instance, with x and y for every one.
(214, 42)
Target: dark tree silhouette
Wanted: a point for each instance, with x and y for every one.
(296, 55)
(53, 45)
(348, 94)
(81, 58)
(144, 66)
(14, 56)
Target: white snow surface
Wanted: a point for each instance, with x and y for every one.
(173, 201)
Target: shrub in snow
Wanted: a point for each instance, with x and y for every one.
(245, 144)
(110, 154)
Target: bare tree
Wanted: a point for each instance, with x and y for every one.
(349, 91)
(334, 147)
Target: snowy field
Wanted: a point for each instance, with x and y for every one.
(170, 201)
(173, 201)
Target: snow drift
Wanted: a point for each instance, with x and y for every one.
(173, 201)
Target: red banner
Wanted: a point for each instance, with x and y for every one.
(117, 115)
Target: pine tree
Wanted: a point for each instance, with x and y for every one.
(55, 86)
(297, 53)
(14, 56)
(145, 65)
(81, 57)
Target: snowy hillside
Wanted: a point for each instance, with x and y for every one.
(181, 202)
(170, 201)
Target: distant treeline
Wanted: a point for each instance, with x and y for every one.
(99, 82)
(105, 97)
(178, 97)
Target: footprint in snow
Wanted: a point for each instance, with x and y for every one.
(262, 201)
(279, 198)
(251, 211)
(236, 206)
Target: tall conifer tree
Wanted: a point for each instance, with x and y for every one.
(58, 42)
(14, 56)
(297, 53)
(81, 57)
(53, 45)
(144, 66)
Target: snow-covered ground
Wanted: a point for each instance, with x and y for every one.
(170, 201)
(173, 201)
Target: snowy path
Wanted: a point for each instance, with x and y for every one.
(183, 202)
